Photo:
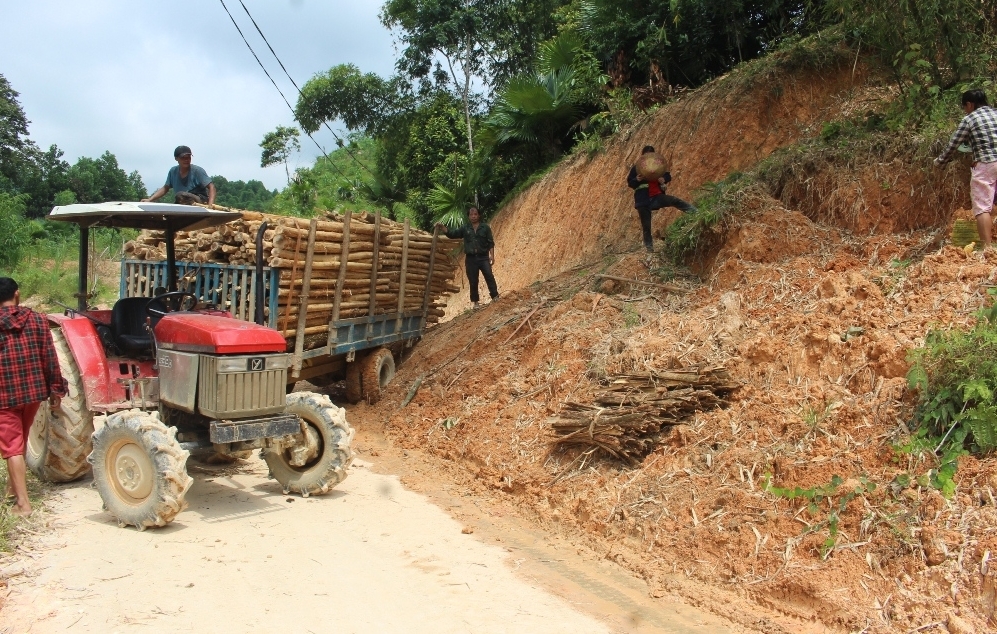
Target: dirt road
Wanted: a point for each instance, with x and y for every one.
(370, 557)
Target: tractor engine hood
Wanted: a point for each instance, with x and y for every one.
(213, 334)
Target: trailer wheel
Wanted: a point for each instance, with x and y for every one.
(376, 372)
(320, 459)
(139, 469)
(354, 391)
(58, 443)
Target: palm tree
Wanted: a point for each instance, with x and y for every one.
(541, 108)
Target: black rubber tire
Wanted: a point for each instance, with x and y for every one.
(139, 469)
(377, 370)
(58, 444)
(354, 392)
(332, 434)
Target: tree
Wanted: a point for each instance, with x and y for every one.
(278, 146)
(14, 142)
(13, 229)
(101, 179)
(685, 41)
(42, 175)
(928, 43)
(483, 40)
(252, 195)
(363, 102)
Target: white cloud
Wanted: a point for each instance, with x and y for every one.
(139, 78)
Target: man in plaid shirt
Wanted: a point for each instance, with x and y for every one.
(979, 129)
(29, 375)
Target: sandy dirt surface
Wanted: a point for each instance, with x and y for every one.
(372, 556)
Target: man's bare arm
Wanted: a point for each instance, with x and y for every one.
(211, 193)
(156, 195)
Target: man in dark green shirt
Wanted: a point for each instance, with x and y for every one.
(479, 252)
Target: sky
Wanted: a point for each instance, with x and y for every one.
(139, 77)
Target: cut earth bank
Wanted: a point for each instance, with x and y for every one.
(810, 296)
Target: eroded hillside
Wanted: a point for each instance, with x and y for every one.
(791, 508)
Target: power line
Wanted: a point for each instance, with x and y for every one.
(339, 141)
(291, 108)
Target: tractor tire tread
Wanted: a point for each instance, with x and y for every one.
(371, 369)
(67, 437)
(337, 454)
(171, 481)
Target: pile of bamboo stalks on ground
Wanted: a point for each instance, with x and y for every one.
(285, 246)
(630, 415)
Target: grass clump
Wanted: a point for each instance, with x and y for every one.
(10, 524)
(955, 376)
(715, 203)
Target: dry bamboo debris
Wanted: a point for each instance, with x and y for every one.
(632, 411)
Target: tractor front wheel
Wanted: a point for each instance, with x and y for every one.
(320, 458)
(139, 469)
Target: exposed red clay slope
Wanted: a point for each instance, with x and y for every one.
(583, 208)
(725, 127)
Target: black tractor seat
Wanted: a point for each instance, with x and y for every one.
(128, 324)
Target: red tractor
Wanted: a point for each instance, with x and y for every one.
(169, 375)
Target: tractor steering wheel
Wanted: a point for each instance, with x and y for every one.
(176, 298)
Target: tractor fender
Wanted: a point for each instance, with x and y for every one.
(84, 343)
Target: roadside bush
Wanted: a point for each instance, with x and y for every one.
(14, 234)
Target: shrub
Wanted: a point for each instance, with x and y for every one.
(14, 233)
(955, 374)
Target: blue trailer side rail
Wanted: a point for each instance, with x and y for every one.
(354, 335)
(231, 287)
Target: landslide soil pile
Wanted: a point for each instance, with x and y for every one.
(791, 507)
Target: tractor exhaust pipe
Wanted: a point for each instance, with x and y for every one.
(260, 286)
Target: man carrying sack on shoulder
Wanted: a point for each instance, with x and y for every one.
(648, 178)
(30, 376)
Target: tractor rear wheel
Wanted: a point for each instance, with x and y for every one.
(320, 460)
(139, 469)
(58, 443)
(377, 369)
(354, 390)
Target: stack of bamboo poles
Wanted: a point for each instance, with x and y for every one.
(401, 277)
(231, 243)
(632, 411)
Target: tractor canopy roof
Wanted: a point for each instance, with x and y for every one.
(142, 215)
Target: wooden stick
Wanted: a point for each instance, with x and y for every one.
(342, 266)
(299, 339)
(429, 278)
(413, 390)
(668, 287)
(523, 323)
(294, 276)
(401, 281)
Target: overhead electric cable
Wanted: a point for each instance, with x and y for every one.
(339, 141)
(255, 56)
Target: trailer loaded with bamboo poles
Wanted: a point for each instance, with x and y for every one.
(347, 292)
